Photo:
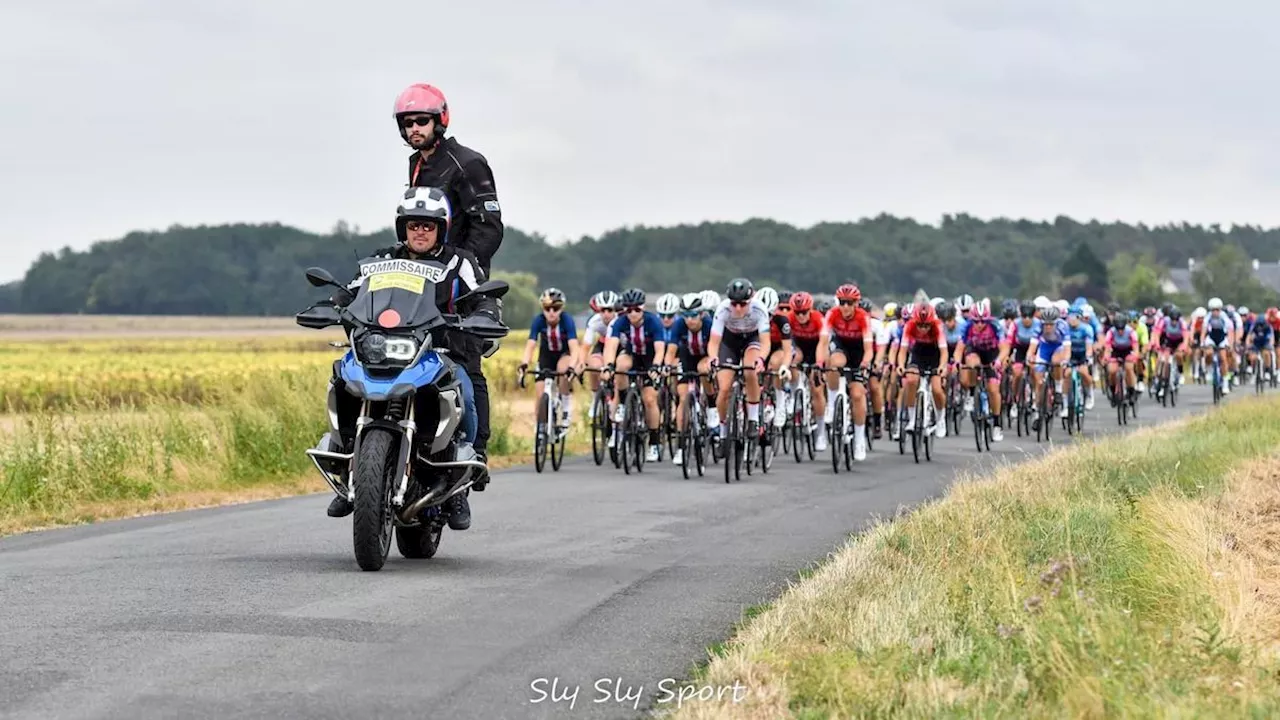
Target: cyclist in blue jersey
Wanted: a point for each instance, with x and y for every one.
(556, 337)
(690, 336)
(1261, 339)
(1049, 348)
(1082, 342)
(635, 342)
(1019, 338)
(668, 307)
(1219, 335)
(952, 326)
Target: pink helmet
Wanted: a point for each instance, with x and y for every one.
(981, 310)
(421, 98)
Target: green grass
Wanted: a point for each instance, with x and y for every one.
(1090, 583)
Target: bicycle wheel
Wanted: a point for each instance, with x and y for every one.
(867, 424)
(902, 430)
(599, 426)
(560, 437)
(1069, 398)
(639, 428)
(1044, 405)
(540, 434)
(623, 442)
(917, 429)
(835, 432)
(979, 424)
(687, 435)
(796, 425)
(669, 409)
(729, 443)
(767, 445)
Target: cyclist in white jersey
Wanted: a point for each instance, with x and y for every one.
(740, 336)
(605, 305)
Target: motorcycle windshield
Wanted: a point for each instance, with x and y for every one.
(398, 294)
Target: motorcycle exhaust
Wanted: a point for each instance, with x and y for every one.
(408, 514)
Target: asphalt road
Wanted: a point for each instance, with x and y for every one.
(580, 577)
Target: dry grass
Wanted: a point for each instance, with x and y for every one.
(37, 326)
(1137, 577)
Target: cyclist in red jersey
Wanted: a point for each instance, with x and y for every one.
(924, 348)
(806, 332)
(846, 340)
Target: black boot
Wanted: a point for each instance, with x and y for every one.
(340, 507)
(459, 512)
(482, 476)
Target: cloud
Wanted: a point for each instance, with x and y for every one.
(595, 115)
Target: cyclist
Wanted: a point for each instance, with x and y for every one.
(1082, 342)
(779, 351)
(964, 305)
(556, 338)
(846, 341)
(604, 308)
(876, 384)
(1019, 338)
(806, 331)
(635, 342)
(1049, 349)
(1218, 334)
(1262, 341)
(1171, 335)
(691, 337)
(982, 344)
(1121, 347)
(739, 336)
(923, 349)
(1197, 343)
(668, 307)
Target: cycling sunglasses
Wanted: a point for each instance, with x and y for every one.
(423, 120)
(847, 303)
(739, 303)
(635, 308)
(668, 316)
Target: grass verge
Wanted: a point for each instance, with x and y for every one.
(1138, 576)
(64, 468)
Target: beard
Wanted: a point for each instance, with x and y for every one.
(418, 141)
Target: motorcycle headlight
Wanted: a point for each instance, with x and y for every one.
(379, 349)
(373, 349)
(402, 349)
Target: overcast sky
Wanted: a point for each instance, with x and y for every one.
(137, 114)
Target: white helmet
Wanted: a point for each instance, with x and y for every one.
(423, 203)
(1215, 303)
(1062, 306)
(1087, 310)
(1242, 310)
(935, 302)
(710, 300)
(605, 299)
(768, 297)
(1041, 302)
(1199, 312)
(964, 303)
(691, 302)
(668, 304)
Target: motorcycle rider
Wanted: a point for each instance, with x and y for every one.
(422, 224)
(422, 117)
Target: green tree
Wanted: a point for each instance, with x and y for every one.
(1136, 280)
(1036, 279)
(521, 301)
(1083, 261)
(1228, 273)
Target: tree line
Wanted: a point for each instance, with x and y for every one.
(246, 269)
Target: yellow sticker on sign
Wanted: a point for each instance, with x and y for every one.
(397, 281)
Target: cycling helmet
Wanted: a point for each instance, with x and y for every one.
(981, 310)
(633, 297)
(823, 305)
(865, 304)
(923, 312)
(1041, 302)
(1009, 309)
(1149, 311)
(1199, 312)
(604, 300)
(946, 310)
(1165, 308)
(768, 297)
(423, 203)
(422, 99)
(668, 304)
(801, 302)
(1087, 309)
(691, 303)
(1075, 311)
(1122, 319)
(1215, 303)
(1049, 314)
(1080, 301)
(740, 290)
(1243, 310)
(848, 291)
(1113, 307)
(964, 302)
(1230, 308)
(891, 311)
(935, 302)
(1061, 306)
(552, 297)
(1174, 313)
(1027, 309)
(784, 297)
(710, 300)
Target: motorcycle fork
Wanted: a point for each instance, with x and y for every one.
(407, 427)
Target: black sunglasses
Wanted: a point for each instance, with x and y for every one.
(739, 303)
(417, 225)
(423, 120)
(668, 316)
(847, 303)
(635, 308)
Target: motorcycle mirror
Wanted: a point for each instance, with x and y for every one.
(318, 317)
(492, 288)
(320, 277)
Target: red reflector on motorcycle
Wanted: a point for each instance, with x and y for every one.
(389, 319)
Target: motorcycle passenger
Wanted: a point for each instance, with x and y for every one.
(422, 118)
(422, 223)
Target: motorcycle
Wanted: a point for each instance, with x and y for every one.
(397, 365)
